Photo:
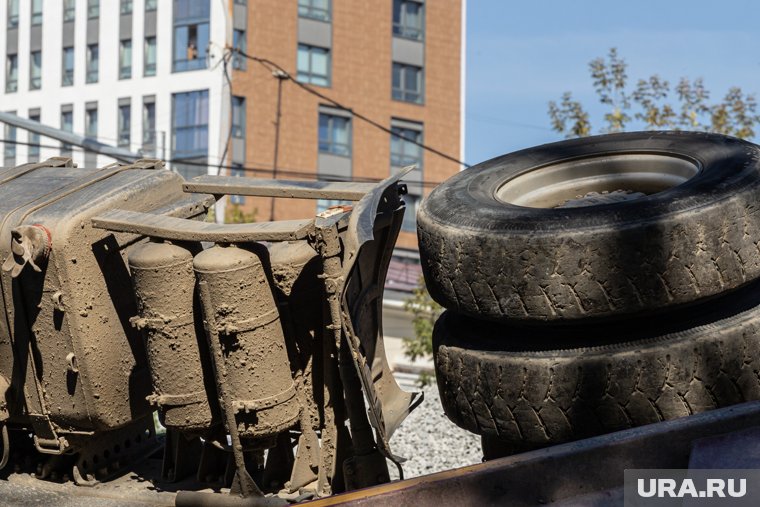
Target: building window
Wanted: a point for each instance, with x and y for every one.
(314, 9)
(36, 12)
(125, 59)
(125, 124)
(404, 152)
(238, 117)
(35, 70)
(239, 41)
(67, 125)
(91, 121)
(191, 34)
(67, 73)
(149, 124)
(9, 151)
(126, 7)
(151, 5)
(12, 13)
(11, 73)
(334, 134)
(150, 56)
(93, 63)
(409, 19)
(407, 83)
(313, 65)
(190, 131)
(33, 152)
(237, 170)
(69, 10)
(93, 9)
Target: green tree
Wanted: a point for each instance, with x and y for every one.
(654, 103)
(424, 312)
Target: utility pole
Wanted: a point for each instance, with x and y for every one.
(281, 76)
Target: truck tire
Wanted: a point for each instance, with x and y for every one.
(598, 227)
(568, 384)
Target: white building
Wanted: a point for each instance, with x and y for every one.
(141, 74)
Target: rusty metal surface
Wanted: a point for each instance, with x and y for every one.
(235, 185)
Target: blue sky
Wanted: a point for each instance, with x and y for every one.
(520, 55)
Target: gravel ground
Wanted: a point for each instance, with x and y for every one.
(430, 442)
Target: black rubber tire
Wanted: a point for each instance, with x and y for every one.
(503, 262)
(535, 394)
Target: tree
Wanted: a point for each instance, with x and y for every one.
(424, 312)
(655, 104)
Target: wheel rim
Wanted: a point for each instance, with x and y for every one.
(603, 179)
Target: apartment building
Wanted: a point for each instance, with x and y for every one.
(148, 75)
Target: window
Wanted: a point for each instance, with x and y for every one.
(191, 34)
(405, 152)
(93, 9)
(93, 63)
(239, 41)
(335, 134)
(125, 59)
(149, 123)
(91, 120)
(150, 56)
(190, 131)
(69, 12)
(33, 152)
(125, 123)
(12, 13)
(36, 12)
(35, 70)
(126, 7)
(241, 2)
(315, 9)
(9, 150)
(409, 19)
(237, 170)
(67, 73)
(151, 5)
(238, 117)
(407, 83)
(67, 125)
(313, 65)
(11, 73)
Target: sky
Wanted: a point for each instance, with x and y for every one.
(521, 55)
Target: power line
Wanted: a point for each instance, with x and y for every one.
(271, 66)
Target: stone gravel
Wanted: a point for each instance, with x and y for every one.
(430, 442)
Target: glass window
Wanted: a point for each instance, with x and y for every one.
(409, 19)
(126, 7)
(91, 122)
(93, 63)
(335, 134)
(36, 12)
(190, 124)
(150, 56)
(67, 73)
(238, 117)
(93, 9)
(125, 125)
(313, 65)
(191, 34)
(35, 70)
(407, 83)
(237, 170)
(151, 5)
(69, 12)
(33, 151)
(149, 125)
(404, 151)
(412, 202)
(315, 9)
(239, 41)
(9, 150)
(125, 59)
(67, 125)
(11, 73)
(12, 13)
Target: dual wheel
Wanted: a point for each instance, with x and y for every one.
(594, 285)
